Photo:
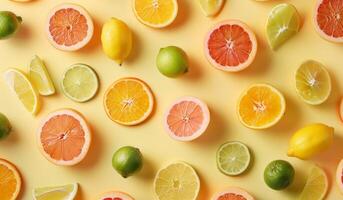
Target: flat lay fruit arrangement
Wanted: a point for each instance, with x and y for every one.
(171, 100)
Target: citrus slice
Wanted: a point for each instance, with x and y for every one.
(69, 27)
(328, 20)
(283, 23)
(340, 110)
(65, 192)
(10, 181)
(261, 106)
(155, 13)
(211, 7)
(128, 101)
(316, 185)
(177, 181)
(233, 193)
(80, 83)
(233, 158)
(64, 137)
(22, 87)
(230, 46)
(187, 119)
(313, 82)
(40, 77)
(339, 176)
(114, 195)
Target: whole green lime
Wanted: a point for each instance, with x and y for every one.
(127, 161)
(5, 126)
(279, 174)
(172, 61)
(9, 24)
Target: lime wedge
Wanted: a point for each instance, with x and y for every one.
(211, 7)
(40, 77)
(65, 192)
(316, 185)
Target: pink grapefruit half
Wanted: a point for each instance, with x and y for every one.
(339, 176)
(233, 193)
(114, 195)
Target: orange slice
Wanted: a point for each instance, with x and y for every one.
(128, 101)
(261, 106)
(10, 181)
(64, 137)
(114, 195)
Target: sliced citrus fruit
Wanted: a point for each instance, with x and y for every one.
(211, 7)
(328, 20)
(233, 193)
(282, 24)
(261, 106)
(313, 82)
(339, 176)
(233, 158)
(128, 101)
(340, 110)
(80, 83)
(65, 192)
(10, 181)
(155, 13)
(64, 137)
(187, 119)
(230, 46)
(69, 27)
(40, 77)
(316, 185)
(22, 87)
(177, 181)
(114, 195)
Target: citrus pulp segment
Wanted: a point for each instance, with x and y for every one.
(339, 176)
(114, 195)
(65, 192)
(211, 7)
(340, 110)
(233, 193)
(10, 181)
(40, 77)
(230, 46)
(316, 185)
(64, 137)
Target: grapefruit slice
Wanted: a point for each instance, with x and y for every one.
(233, 193)
(10, 181)
(328, 20)
(69, 27)
(230, 46)
(114, 195)
(64, 137)
(339, 176)
(187, 119)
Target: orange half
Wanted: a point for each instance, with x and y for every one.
(10, 181)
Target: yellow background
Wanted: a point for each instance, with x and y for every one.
(219, 89)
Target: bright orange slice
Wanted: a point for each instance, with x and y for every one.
(128, 101)
(10, 181)
(64, 137)
(261, 106)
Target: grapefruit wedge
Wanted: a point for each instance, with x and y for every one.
(230, 46)
(64, 137)
(114, 195)
(233, 193)
(339, 176)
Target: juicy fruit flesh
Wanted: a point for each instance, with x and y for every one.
(211, 7)
(55, 193)
(316, 185)
(114, 198)
(40, 77)
(231, 196)
(8, 182)
(155, 11)
(330, 17)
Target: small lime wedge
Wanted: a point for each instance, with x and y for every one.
(211, 7)
(316, 185)
(40, 77)
(65, 192)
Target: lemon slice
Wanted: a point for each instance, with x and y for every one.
(316, 185)
(40, 77)
(211, 7)
(177, 181)
(283, 23)
(23, 88)
(65, 192)
(313, 82)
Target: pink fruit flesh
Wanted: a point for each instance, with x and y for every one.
(231, 196)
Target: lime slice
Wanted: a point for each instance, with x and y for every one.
(316, 185)
(22, 87)
(177, 181)
(40, 77)
(211, 7)
(65, 192)
(283, 23)
(233, 158)
(313, 82)
(80, 83)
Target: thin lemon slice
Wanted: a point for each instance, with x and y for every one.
(211, 7)
(22, 87)
(65, 192)
(177, 181)
(40, 77)
(316, 185)
(313, 82)
(282, 24)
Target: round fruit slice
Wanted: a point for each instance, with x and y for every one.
(328, 20)
(316, 185)
(187, 119)
(65, 192)
(128, 101)
(339, 176)
(40, 77)
(155, 13)
(211, 7)
(69, 27)
(114, 195)
(177, 181)
(261, 106)
(233, 193)
(10, 181)
(80, 83)
(233, 158)
(22, 87)
(230, 46)
(64, 137)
